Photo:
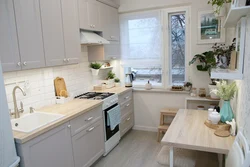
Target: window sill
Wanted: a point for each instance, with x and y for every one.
(160, 91)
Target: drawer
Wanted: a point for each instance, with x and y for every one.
(125, 97)
(127, 123)
(127, 107)
(83, 121)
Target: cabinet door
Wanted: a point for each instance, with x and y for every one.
(88, 145)
(109, 21)
(71, 31)
(52, 149)
(83, 14)
(112, 51)
(9, 52)
(29, 30)
(52, 27)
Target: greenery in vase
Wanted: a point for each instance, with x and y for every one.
(96, 66)
(218, 4)
(225, 91)
(111, 75)
(117, 80)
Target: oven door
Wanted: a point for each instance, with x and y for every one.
(108, 132)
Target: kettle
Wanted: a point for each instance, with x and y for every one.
(128, 80)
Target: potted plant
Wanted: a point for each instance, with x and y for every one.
(117, 82)
(226, 92)
(206, 62)
(95, 67)
(219, 7)
(111, 75)
(188, 86)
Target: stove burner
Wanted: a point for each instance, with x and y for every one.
(94, 96)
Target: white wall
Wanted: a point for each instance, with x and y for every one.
(147, 104)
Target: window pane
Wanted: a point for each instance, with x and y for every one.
(177, 42)
(143, 75)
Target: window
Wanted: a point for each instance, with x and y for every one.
(142, 39)
(177, 48)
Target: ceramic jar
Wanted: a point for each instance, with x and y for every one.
(210, 110)
(214, 117)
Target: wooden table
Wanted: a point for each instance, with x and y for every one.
(188, 131)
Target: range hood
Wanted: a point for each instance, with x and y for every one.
(91, 38)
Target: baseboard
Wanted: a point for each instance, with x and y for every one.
(145, 128)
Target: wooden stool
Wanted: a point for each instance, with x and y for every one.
(166, 112)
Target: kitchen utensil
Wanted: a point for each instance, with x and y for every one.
(60, 87)
(129, 78)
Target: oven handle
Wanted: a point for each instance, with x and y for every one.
(91, 129)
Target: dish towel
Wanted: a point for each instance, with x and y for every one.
(114, 117)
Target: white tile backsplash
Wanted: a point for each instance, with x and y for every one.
(40, 82)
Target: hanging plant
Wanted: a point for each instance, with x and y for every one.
(218, 4)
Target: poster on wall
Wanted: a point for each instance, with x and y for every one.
(210, 28)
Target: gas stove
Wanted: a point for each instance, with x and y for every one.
(109, 99)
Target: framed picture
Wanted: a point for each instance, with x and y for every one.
(210, 28)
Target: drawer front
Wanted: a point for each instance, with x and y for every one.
(125, 97)
(127, 107)
(127, 123)
(88, 145)
(83, 121)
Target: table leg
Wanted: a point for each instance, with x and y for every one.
(220, 158)
(171, 156)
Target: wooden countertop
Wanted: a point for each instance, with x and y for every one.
(189, 132)
(116, 90)
(71, 110)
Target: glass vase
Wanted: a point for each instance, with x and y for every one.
(226, 112)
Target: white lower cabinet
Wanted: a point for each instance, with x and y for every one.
(52, 148)
(62, 147)
(88, 145)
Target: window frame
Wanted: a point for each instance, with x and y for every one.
(165, 37)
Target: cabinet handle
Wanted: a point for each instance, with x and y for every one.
(126, 97)
(69, 126)
(127, 105)
(113, 58)
(91, 129)
(64, 60)
(68, 60)
(89, 119)
(128, 119)
(25, 63)
(112, 37)
(19, 64)
(93, 26)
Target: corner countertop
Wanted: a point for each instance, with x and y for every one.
(70, 111)
(117, 90)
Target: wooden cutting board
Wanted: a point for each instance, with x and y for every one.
(60, 87)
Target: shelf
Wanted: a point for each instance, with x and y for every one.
(235, 14)
(104, 68)
(226, 74)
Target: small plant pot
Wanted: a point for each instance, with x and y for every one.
(187, 88)
(117, 84)
(95, 72)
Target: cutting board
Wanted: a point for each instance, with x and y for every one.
(60, 87)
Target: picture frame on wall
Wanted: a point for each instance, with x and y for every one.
(210, 28)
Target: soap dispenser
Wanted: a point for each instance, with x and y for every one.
(148, 86)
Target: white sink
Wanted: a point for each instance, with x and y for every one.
(31, 122)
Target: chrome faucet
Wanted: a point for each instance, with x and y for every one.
(16, 110)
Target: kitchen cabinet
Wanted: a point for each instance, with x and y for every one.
(109, 20)
(88, 145)
(104, 52)
(52, 32)
(9, 52)
(71, 31)
(89, 15)
(29, 32)
(52, 148)
(60, 32)
(127, 112)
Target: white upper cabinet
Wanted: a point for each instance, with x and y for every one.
(89, 13)
(29, 31)
(52, 32)
(9, 52)
(109, 21)
(71, 31)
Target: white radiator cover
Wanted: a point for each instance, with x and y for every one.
(8, 156)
